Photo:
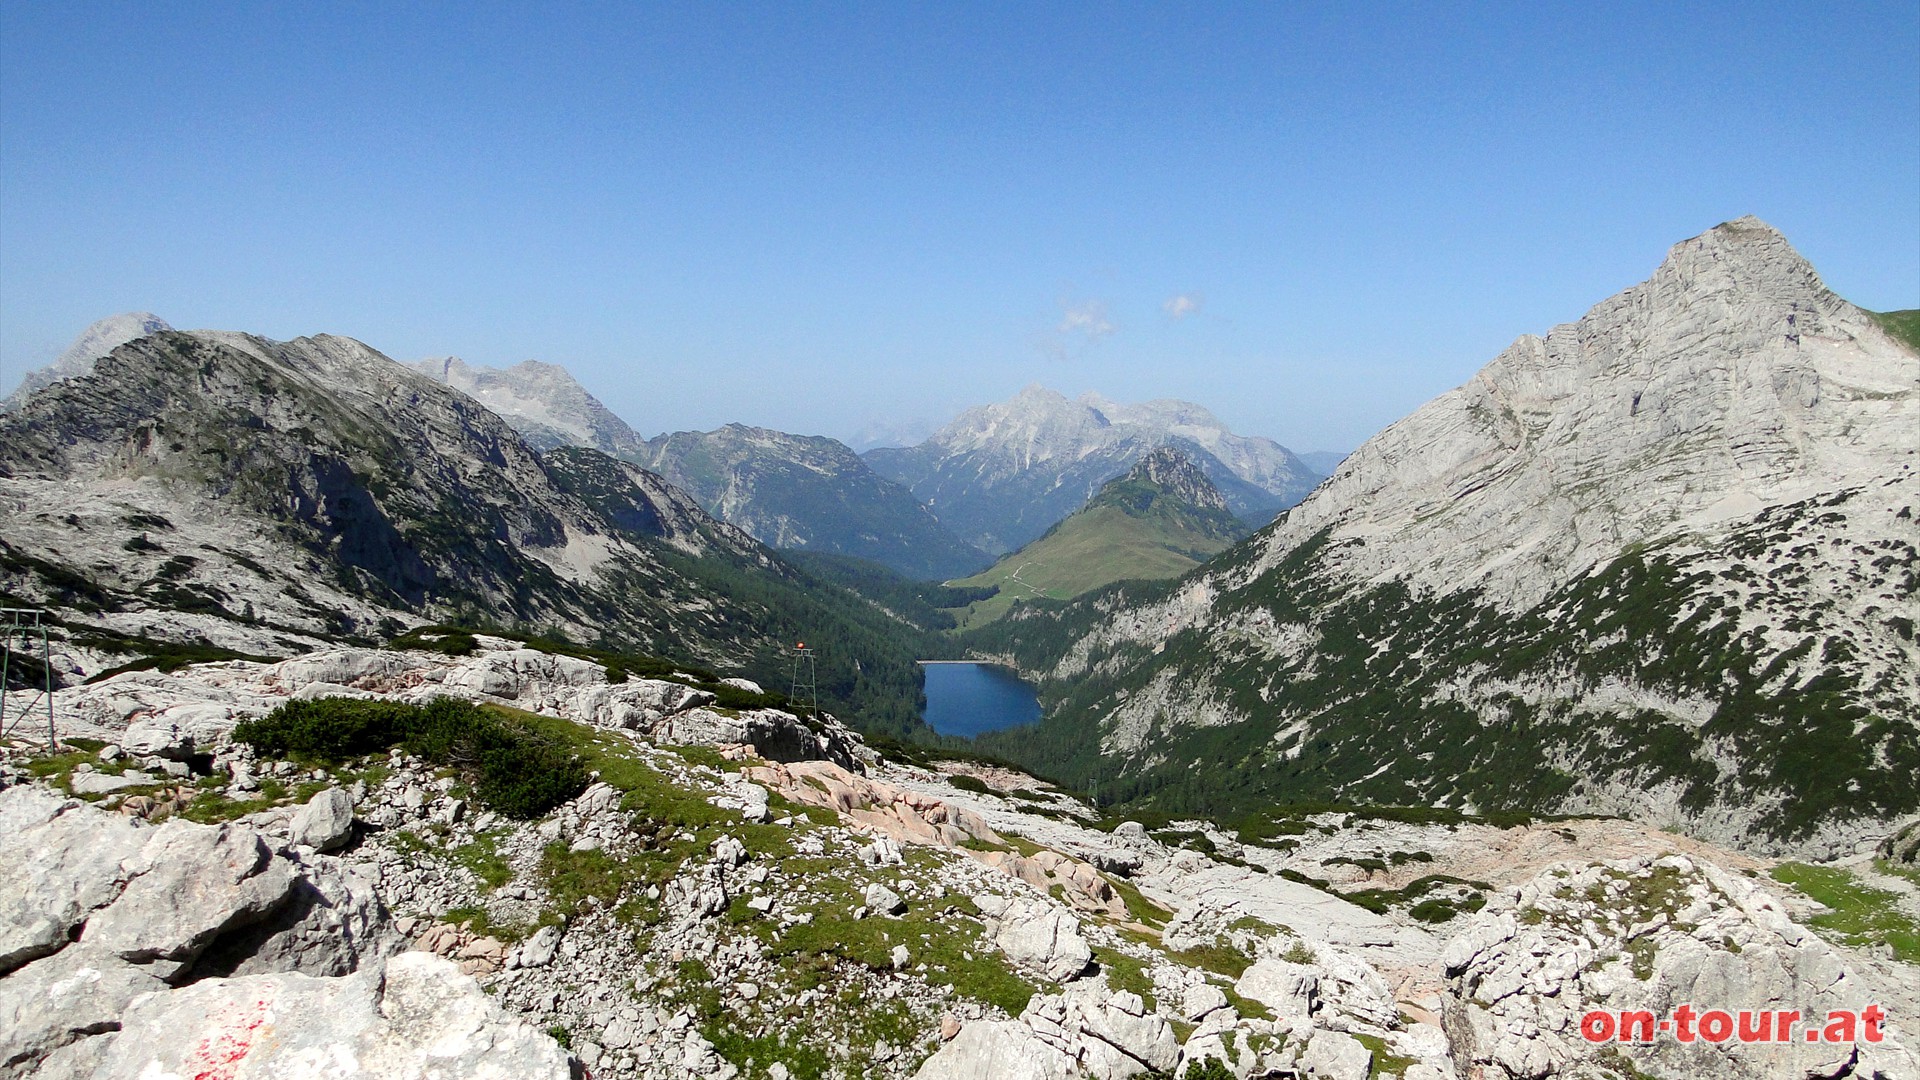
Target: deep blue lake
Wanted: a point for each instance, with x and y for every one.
(967, 699)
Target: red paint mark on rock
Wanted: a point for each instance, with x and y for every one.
(219, 1055)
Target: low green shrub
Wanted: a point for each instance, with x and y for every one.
(514, 769)
(1211, 1069)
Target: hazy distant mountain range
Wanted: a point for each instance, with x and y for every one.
(994, 478)
(809, 493)
(787, 491)
(1002, 474)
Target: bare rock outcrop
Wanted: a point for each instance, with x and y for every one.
(1649, 935)
(416, 1017)
(136, 950)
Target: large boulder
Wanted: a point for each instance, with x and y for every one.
(189, 883)
(162, 736)
(635, 704)
(1035, 934)
(996, 1050)
(522, 674)
(62, 860)
(326, 821)
(418, 1018)
(359, 668)
(100, 915)
(1290, 990)
(1109, 1034)
(1335, 1055)
(332, 923)
(61, 999)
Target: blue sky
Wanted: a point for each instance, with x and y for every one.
(822, 218)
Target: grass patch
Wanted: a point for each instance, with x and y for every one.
(1861, 916)
(440, 639)
(1222, 958)
(1902, 326)
(482, 858)
(954, 955)
(1433, 910)
(1384, 1064)
(1127, 973)
(481, 924)
(1139, 908)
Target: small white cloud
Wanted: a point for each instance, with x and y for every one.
(1183, 305)
(1086, 322)
(1082, 326)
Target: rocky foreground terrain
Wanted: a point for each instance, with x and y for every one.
(744, 893)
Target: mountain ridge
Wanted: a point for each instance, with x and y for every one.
(542, 401)
(1000, 474)
(226, 490)
(808, 492)
(97, 340)
(1652, 564)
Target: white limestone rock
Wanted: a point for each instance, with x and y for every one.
(63, 861)
(1290, 990)
(996, 1050)
(61, 999)
(419, 1017)
(1664, 932)
(326, 821)
(884, 901)
(1035, 934)
(187, 884)
(1337, 1056)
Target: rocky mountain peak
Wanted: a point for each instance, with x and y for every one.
(1174, 473)
(93, 343)
(542, 401)
(1730, 380)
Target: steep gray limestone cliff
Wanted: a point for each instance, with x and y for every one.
(1730, 381)
(313, 482)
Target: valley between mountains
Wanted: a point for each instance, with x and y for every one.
(426, 720)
